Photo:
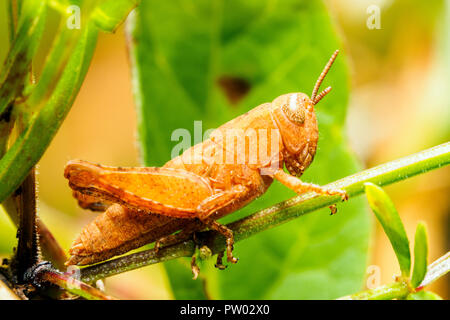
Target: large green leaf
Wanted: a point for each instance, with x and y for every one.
(180, 50)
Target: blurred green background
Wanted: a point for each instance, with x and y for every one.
(398, 104)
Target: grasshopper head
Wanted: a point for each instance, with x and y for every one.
(297, 123)
(296, 120)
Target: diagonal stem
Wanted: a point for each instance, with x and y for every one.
(382, 175)
(43, 273)
(74, 286)
(437, 269)
(11, 10)
(50, 247)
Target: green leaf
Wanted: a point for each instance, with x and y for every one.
(111, 13)
(420, 255)
(423, 295)
(182, 52)
(396, 290)
(390, 220)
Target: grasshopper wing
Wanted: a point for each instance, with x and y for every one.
(165, 191)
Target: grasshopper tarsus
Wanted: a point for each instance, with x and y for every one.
(157, 246)
(219, 264)
(333, 209)
(230, 247)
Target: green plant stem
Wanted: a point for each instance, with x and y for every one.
(56, 62)
(18, 61)
(437, 269)
(385, 174)
(11, 8)
(74, 286)
(396, 290)
(400, 289)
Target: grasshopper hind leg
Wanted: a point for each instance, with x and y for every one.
(214, 203)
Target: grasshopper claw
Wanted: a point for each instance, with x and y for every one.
(219, 265)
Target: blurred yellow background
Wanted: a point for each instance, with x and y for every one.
(399, 105)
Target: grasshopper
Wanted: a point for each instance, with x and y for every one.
(190, 192)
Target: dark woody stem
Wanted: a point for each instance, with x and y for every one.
(27, 249)
(382, 175)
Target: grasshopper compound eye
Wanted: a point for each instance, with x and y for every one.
(294, 108)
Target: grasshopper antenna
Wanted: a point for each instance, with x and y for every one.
(321, 95)
(315, 98)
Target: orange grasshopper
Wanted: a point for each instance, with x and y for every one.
(190, 192)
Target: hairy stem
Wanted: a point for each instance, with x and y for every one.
(437, 269)
(396, 290)
(382, 175)
(50, 249)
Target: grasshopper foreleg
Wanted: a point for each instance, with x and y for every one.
(300, 187)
